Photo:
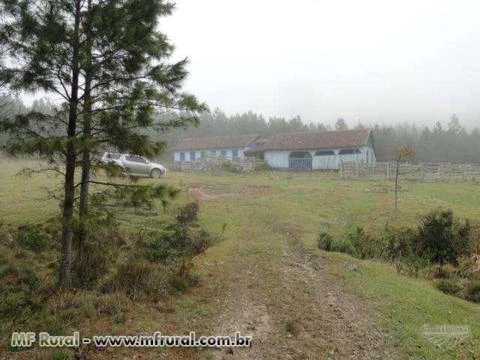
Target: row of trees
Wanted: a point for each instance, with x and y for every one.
(109, 67)
(444, 142)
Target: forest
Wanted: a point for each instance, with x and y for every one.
(445, 141)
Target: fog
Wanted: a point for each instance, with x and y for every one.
(372, 60)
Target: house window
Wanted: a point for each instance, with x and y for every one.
(235, 153)
(324, 153)
(349, 151)
(192, 156)
(223, 152)
(182, 156)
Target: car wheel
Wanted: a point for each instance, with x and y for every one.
(156, 173)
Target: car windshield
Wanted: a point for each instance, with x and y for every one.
(112, 156)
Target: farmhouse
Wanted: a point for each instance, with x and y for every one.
(228, 147)
(319, 151)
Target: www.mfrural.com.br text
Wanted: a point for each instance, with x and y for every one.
(157, 339)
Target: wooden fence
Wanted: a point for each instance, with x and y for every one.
(423, 171)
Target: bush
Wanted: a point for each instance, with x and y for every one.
(365, 246)
(440, 239)
(18, 286)
(398, 243)
(182, 278)
(139, 278)
(472, 291)
(89, 266)
(174, 244)
(325, 241)
(344, 246)
(188, 214)
(230, 167)
(178, 241)
(31, 238)
(442, 272)
(448, 286)
(263, 167)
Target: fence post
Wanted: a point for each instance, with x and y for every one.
(387, 171)
(356, 168)
(341, 170)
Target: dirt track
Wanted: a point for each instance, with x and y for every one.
(309, 316)
(323, 322)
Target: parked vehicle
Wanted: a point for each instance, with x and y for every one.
(135, 165)
(109, 157)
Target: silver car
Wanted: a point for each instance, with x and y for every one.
(135, 164)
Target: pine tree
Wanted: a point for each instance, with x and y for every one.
(107, 62)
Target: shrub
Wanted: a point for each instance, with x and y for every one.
(201, 241)
(448, 286)
(177, 241)
(30, 237)
(139, 278)
(440, 239)
(18, 286)
(411, 265)
(344, 246)
(188, 214)
(182, 278)
(442, 272)
(365, 246)
(230, 167)
(325, 241)
(89, 265)
(263, 167)
(462, 243)
(467, 267)
(173, 244)
(398, 243)
(472, 291)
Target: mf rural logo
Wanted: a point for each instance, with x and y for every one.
(445, 336)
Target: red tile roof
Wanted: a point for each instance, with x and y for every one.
(215, 142)
(330, 139)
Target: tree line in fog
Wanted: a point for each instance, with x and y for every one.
(447, 141)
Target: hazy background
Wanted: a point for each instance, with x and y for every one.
(372, 60)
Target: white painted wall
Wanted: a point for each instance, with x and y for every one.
(278, 159)
(324, 162)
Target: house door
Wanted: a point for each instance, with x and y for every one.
(300, 160)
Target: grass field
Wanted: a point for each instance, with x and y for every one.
(270, 221)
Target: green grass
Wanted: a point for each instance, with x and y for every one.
(406, 304)
(312, 202)
(260, 210)
(25, 198)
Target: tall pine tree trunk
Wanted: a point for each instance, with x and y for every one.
(87, 133)
(71, 157)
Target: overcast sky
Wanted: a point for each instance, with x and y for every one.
(370, 60)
